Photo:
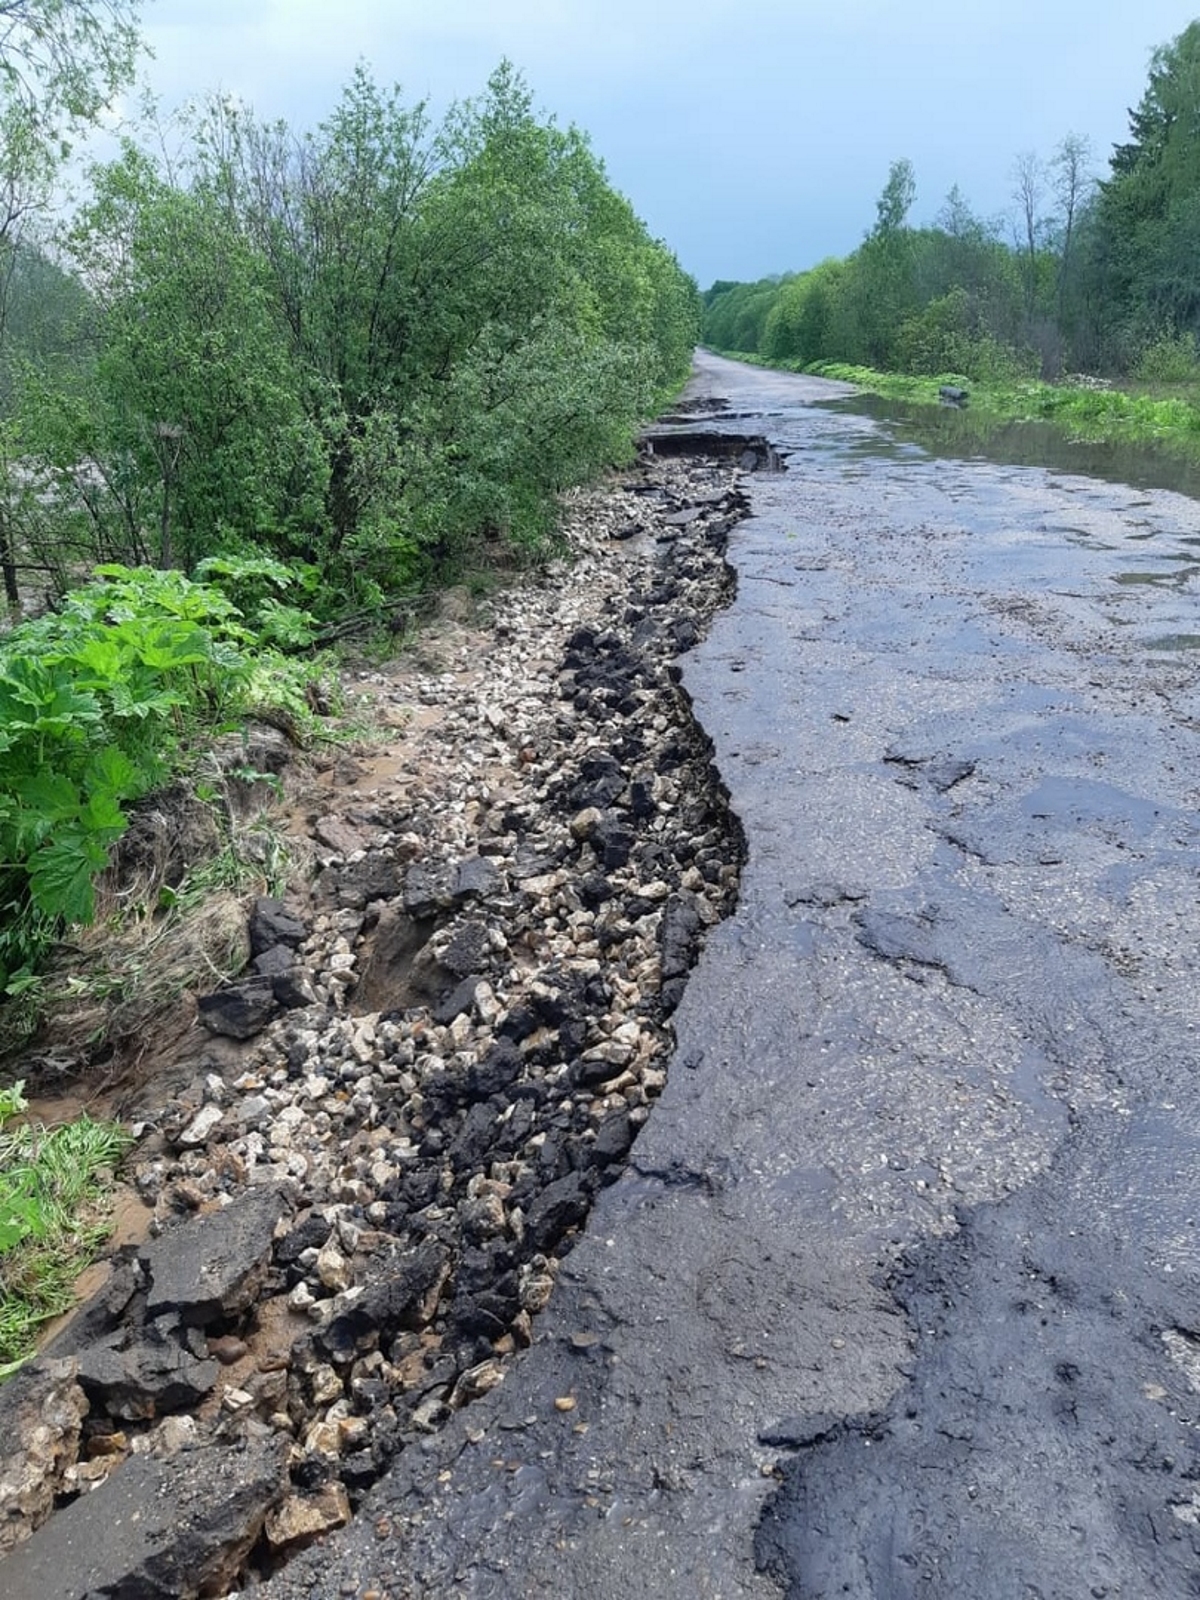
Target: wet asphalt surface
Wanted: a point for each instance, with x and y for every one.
(900, 1295)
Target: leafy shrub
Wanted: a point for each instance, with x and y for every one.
(98, 703)
(1169, 358)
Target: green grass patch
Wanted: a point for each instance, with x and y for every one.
(55, 1184)
(1165, 415)
(1084, 409)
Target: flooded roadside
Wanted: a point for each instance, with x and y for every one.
(970, 435)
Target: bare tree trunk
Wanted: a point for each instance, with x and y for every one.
(1028, 183)
(8, 562)
(1071, 183)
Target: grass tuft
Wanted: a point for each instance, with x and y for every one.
(55, 1185)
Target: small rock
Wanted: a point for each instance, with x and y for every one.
(227, 1350)
(337, 834)
(107, 1444)
(584, 823)
(294, 990)
(201, 1126)
(333, 1269)
(240, 1011)
(275, 962)
(302, 1518)
(326, 1385)
(476, 1381)
(535, 1293)
(176, 1433)
(271, 925)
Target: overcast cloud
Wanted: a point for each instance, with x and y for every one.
(753, 138)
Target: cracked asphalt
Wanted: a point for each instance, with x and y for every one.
(899, 1296)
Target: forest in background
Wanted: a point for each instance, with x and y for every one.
(1087, 274)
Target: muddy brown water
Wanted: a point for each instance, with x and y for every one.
(899, 1296)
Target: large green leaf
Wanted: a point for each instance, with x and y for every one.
(61, 874)
(50, 795)
(111, 770)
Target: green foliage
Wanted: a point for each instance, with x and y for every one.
(1083, 410)
(1137, 265)
(65, 60)
(98, 704)
(265, 387)
(52, 1187)
(947, 336)
(254, 584)
(923, 299)
(1171, 358)
(371, 353)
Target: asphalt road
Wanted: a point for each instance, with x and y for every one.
(900, 1296)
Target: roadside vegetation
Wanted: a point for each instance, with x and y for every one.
(266, 390)
(54, 1184)
(269, 388)
(1081, 307)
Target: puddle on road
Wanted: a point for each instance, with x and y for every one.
(968, 435)
(1133, 579)
(1174, 641)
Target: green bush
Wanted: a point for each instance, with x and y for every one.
(1169, 358)
(98, 704)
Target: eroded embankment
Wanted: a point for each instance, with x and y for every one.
(446, 1046)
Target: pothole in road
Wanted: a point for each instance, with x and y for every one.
(753, 452)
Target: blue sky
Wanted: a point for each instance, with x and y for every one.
(752, 137)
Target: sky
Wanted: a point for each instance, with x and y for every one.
(752, 137)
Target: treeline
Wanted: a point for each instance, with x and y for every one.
(1086, 274)
(262, 391)
(372, 352)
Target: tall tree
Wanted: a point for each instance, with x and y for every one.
(884, 266)
(1148, 224)
(1072, 180)
(896, 201)
(1029, 188)
(61, 63)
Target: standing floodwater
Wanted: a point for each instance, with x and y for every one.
(913, 1226)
